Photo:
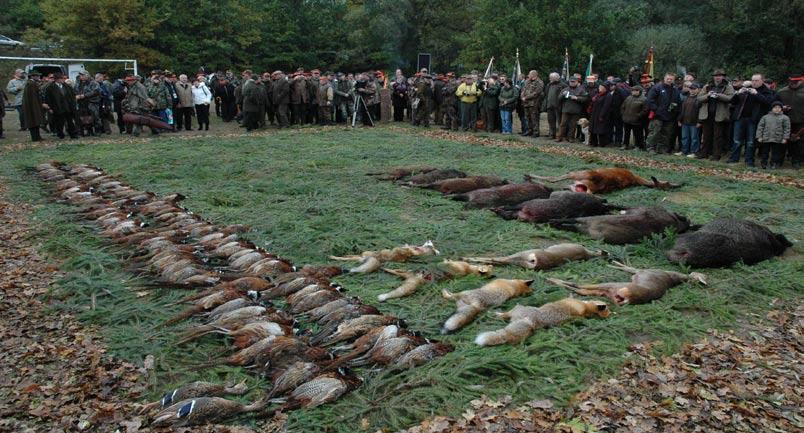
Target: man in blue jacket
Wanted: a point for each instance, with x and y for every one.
(663, 101)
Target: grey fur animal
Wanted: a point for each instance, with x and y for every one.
(434, 176)
(560, 204)
(503, 195)
(725, 241)
(627, 227)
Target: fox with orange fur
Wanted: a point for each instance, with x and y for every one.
(470, 303)
(525, 320)
(603, 180)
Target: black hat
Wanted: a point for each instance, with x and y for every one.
(775, 103)
(34, 74)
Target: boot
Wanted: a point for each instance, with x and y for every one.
(35, 136)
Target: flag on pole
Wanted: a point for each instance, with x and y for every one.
(589, 68)
(488, 69)
(565, 68)
(649, 63)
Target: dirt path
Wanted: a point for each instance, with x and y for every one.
(54, 372)
(746, 382)
(609, 156)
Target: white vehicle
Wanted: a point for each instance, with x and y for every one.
(5, 41)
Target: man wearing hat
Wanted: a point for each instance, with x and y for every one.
(136, 99)
(715, 115)
(449, 103)
(299, 98)
(490, 104)
(572, 101)
(88, 95)
(33, 108)
(280, 97)
(251, 101)
(60, 99)
(343, 98)
(399, 97)
(422, 100)
(792, 96)
(531, 97)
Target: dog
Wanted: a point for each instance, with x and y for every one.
(584, 125)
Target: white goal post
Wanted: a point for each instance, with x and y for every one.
(128, 64)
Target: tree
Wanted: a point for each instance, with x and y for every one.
(103, 28)
(678, 48)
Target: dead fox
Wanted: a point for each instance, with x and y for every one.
(461, 269)
(370, 261)
(525, 320)
(603, 180)
(550, 257)
(413, 280)
(645, 286)
(472, 302)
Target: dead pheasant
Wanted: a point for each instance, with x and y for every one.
(202, 410)
(193, 390)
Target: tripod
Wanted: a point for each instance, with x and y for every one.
(358, 102)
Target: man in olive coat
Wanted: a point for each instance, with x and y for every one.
(714, 115)
(281, 98)
(531, 96)
(251, 101)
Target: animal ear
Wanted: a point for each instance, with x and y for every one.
(602, 307)
(655, 181)
(529, 282)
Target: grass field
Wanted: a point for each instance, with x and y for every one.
(305, 195)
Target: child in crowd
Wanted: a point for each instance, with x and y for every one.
(773, 132)
(688, 120)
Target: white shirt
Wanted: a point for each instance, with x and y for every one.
(201, 95)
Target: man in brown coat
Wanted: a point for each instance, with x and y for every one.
(33, 110)
(714, 115)
(299, 98)
(531, 96)
(185, 105)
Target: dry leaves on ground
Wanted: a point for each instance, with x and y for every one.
(55, 374)
(727, 382)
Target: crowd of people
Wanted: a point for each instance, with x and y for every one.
(680, 115)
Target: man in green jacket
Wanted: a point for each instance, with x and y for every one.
(491, 105)
(531, 96)
(508, 97)
(572, 101)
(422, 100)
(251, 101)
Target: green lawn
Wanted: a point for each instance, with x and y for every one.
(305, 195)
